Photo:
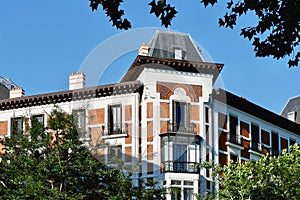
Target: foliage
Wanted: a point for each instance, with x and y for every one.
(149, 190)
(159, 8)
(268, 178)
(275, 34)
(277, 30)
(53, 163)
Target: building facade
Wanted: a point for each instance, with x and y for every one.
(164, 117)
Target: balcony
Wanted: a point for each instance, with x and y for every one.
(180, 167)
(274, 152)
(255, 146)
(181, 128)
(262, 149)
(257, 149)
(235, 141)
(116, 129)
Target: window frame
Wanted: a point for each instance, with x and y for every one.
(36, 117)
(117, 154)
(178, 53)
(76, 117)
(182, 122)
(114, 125)
(16, 130)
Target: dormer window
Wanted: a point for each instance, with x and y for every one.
(292, 115)
(178, 53)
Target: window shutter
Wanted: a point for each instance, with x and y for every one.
(109, 119)
(188, 114)
(173, 122)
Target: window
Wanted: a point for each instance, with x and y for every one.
(244, 129)
(292, 115)
(188, 194)
(79, 120)
(175, 182)
(37, 119)
(181, 116)
(178, 53)
(275, 144)
(254, 137)
(175, 193)
(180, 157)
(222, 120)
(114, 152)
(16, 125)
(233, 128)
(265, 137)
(206, 114)
(292, 141)
(188, 183)
(234, 158)
(114, 119)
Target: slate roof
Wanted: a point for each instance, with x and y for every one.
(163, 43)
(4, 92)
(72, 95)
(142, 62)
(293, 104)
(255, 110)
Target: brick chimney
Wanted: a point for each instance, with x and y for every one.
(143, 50)
(16, 92)
(76, 81)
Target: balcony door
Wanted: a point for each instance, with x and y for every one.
(181, 115)
(114, 119)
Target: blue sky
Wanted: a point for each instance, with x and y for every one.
(42, 42)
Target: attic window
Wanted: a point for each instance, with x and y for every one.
(292, 115)
(178, 53)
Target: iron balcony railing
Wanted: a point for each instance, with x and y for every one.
(180, 167)
(114, 129)
(182, 128)
(235, 139)
(255, 146)
(274, 152)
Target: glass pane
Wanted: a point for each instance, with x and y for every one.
(178, 54)
(116, 112)
(188, 194)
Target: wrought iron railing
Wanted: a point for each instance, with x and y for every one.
(256, 146)
(235, 139)
(274, 152)
(183, 128)
(180, 167)
(114, 129)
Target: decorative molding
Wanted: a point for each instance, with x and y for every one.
(180, 92)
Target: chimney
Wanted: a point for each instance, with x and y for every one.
(16, 92)
(76, 81)
(143, 50)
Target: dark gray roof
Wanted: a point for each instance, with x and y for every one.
(293, 104)
(163, 43)
(72, 95)
(248, 107)
(4, 92)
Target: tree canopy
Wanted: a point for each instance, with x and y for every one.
(53, 163)
(275, 34)
(266, 179)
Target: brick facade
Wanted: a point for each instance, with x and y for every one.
(166, 89)
(3, 128)
(96, 116)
